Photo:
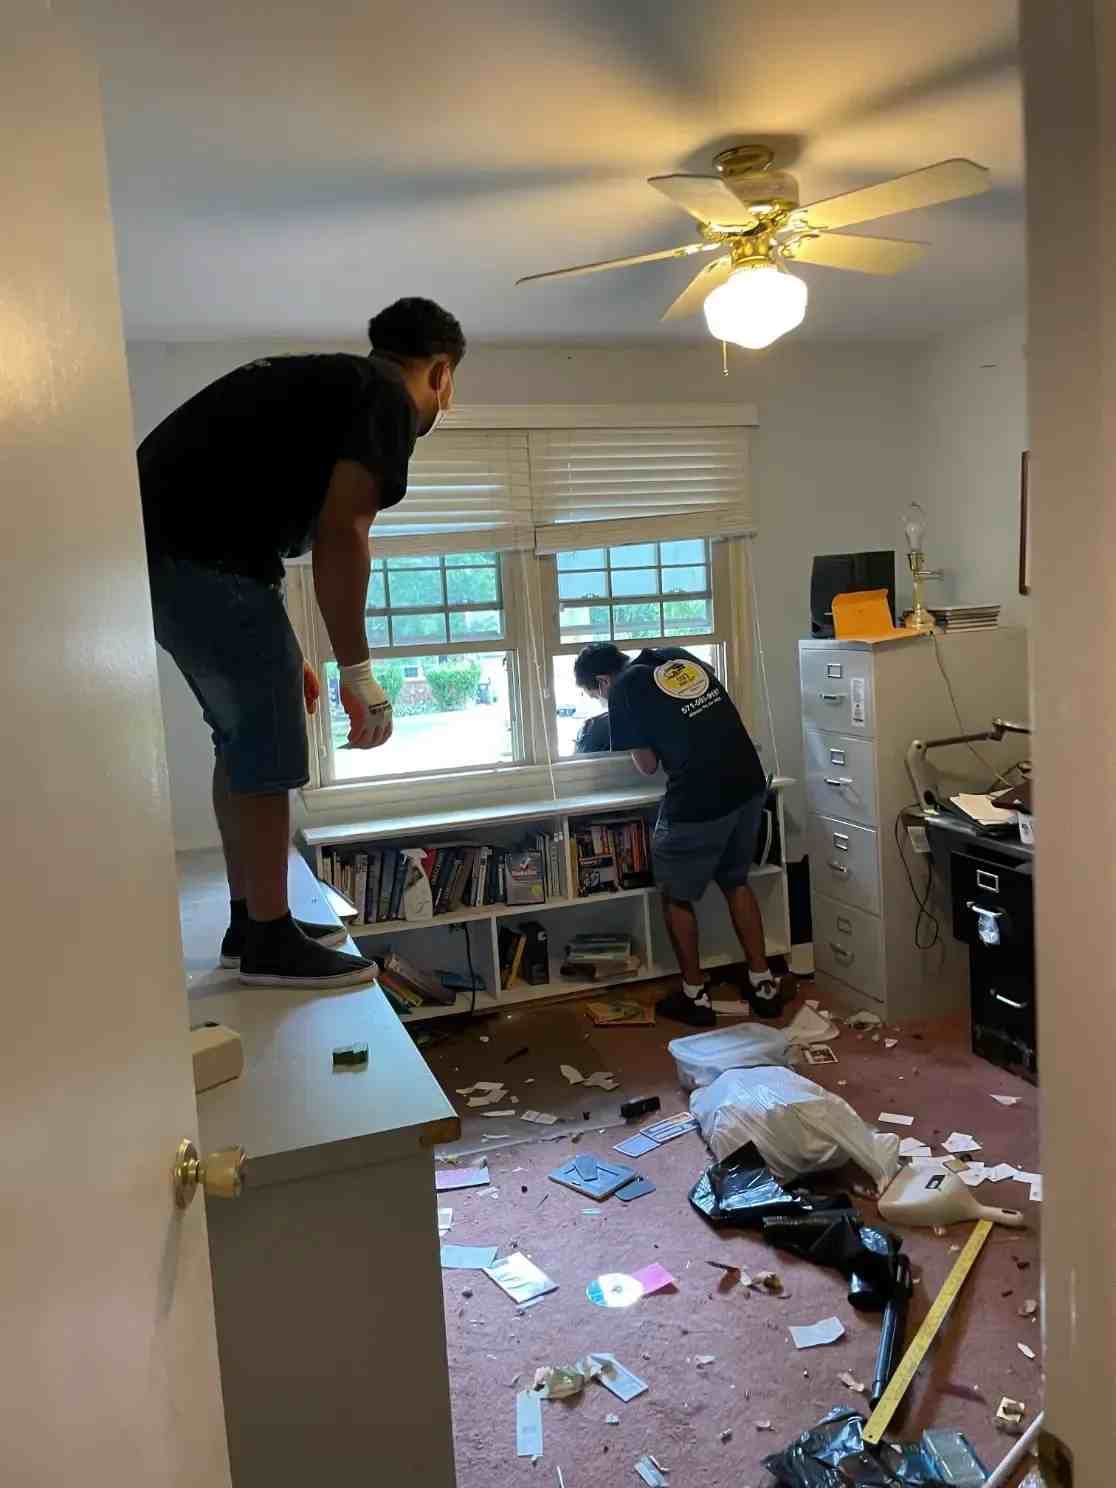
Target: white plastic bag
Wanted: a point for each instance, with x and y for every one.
(796, 1125)
(701, 1057)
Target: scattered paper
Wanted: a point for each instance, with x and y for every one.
(960, 1142)
(808, 1026)
(812, 1335)
(894, 1119)
(490, 1099)
(620, 1381)
(482, 1087)
(912, 1147)
(528, 1424)
(461, 1178)
(999, 1172)
(850, 1382)
(864, 1020)
(468, 1257)
(820, 1054)
(674, 1126)
(725, 1009)
(764, 1426)
(703, 1361)
(1029, 1308)
(973, 1175)
(1022, 1177)
(540, 1118)
(1006, 1100)
(1036, 1191)
(1026, 1350)
(812, 1002)
(603, 1080)
(637, 1146)
(890, 1043)
(574, 1076)
(520, 1278)
(651, 1473)
(611, 1420)
(445, 1220)
(654, 1278)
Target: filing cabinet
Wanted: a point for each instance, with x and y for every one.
(863, 702)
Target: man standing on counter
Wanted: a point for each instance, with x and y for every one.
(283, 456)
(668, 708)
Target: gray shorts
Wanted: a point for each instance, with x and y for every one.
(232, 641)
(688, 856)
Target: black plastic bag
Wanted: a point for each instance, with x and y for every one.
(741, 1191)
(832, 1454)
(864, 1253)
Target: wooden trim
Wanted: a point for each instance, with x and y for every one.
(602, 416)
(1024, 523)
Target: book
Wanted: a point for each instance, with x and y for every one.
(596, 875)
(395, 907)
(525, 878)
(370, 910)
(511, 945)
(327, 867)
(599, 971)
(360, 880)
(463, 876)
(387, 882)
(424, 983)
(620, 1013)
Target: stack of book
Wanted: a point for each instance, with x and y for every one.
(407, 986)
(613, 852)
(965, 617)
(597, 958)
(461, 875)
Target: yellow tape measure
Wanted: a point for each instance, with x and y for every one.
(907, 1368)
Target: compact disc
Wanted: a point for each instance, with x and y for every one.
(614, 1290)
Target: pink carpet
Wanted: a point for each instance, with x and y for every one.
(757, 1375)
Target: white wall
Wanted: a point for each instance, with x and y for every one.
(970, 398)
(832, 470)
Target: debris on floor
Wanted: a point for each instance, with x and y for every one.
(703, 1361)
(573, 1076)
(1009, 1416)
(602, 1080)
(540, 1118)
(637, 1146)
(619, 1381)
(461, 1178)
(654, 1278)
(528, 1425)
(520, 1278)
(890, 1043)
(612, 1420)
(766, 1281)
(726, 1436)
(614, 1289)
(926, 1196)
(862, 1021)
(850, 1382)
(1006, 1100)
(594, 1177)
(620, 1013)
(638, 1188)
(561, 1382)
(468, 1257)
(894, 1118)
(959, 1142)
(820, 1054)
(445, 1220)
(1029, 1308)
(1026, 1350)
(813, 1335)
(912, 1147)
(814, 1459)
(650, 1471)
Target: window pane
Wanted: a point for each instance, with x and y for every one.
(691, 551)
(469, 560)
(377, 591)
(631, 621)
(581, 558)
(583, 585)
(687, 617)
(415, 587)
(635, 555)
(376, 629)
(586, 624)
(580, 719)
(472, 586)
(446, 716)
(417, 560)
(685, 580)
(408, 628)
(467, 625)
(635, 581)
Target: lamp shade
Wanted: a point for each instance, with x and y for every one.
(755, 306)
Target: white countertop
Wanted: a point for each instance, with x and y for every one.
(289, 1110)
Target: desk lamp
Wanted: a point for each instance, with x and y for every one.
(914, 524)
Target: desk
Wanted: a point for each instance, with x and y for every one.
(326, 1272)
(990, 883)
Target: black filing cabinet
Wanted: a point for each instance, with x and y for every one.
(993, 914)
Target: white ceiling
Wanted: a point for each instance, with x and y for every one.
(288, 168)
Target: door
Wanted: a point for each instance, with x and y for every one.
(108, 1359)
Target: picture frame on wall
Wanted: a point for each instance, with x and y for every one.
(1024, 525)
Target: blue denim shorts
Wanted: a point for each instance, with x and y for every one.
(231, 639)
(688, 856)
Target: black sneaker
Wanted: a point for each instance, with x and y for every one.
(770, 998)
(696, 1011)
(280, 955)
(232, 947)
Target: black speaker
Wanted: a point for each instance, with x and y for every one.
(847, 573)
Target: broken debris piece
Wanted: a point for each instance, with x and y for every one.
(1026, 1350)
(528, 1425)
(726, 1436)
(1009, 1416)
(650, 1471)
(612, 1420)
(703, 1361)
(619, 1381)
(572, 1075)
(961, 1142)
(814, 1335)
(894, 1118)
(850, 1382)
(1029, 1308)
(766, 1281)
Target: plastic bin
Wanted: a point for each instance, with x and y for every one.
(701, 1057)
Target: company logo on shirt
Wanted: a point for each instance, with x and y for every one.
(683, 680)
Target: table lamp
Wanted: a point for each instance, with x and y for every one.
(914, 524)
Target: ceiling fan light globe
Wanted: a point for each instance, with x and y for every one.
(755, 306)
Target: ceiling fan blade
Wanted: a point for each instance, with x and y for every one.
(621, 263)
(865, 255)
(949, 180)
(705, 197)
(693, 296)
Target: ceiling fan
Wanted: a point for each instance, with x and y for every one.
(753, 212)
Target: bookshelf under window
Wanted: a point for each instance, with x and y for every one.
(566, 884)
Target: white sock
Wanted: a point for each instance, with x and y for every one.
(757, 978)
(694, 993)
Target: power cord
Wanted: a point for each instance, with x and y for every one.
(922, 900)
(987, 764)
(472, 973)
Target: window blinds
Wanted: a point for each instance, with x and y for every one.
(465, 492)
(596, 487)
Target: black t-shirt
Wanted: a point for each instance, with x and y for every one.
(669, 701)
(237, 476)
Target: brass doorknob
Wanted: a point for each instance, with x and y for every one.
(222, 1174)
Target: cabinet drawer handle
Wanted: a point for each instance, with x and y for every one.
(844, 925)
(835, 671)
(841, 841)
(1009, 1002)
(833, 697)
(838, 757)
(989, 881)
(997, 914)
(840, 952)
(842, 868)
(838, 782)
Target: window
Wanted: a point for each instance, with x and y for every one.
(436, 627)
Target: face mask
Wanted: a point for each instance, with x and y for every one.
(439, 412)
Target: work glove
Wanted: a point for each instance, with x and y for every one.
(366, 703)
